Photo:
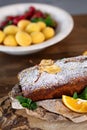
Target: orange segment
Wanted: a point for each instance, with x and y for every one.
(77, 105)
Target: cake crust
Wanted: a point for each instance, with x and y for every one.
(40, 85)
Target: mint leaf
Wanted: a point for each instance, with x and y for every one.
(25, 105)
(48, 21)
(21, 99)
(26, 102)
(75, 96)
(37, 19)
(9, 23)
(33, 106)
(29, 101)
(83, 95)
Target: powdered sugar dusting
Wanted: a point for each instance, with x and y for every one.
(74, 67)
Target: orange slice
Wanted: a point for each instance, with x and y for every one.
(77, 105)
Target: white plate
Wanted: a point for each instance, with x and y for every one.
(64, 19)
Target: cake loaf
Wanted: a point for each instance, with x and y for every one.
(52, 79)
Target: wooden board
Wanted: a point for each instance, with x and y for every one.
(74, 44)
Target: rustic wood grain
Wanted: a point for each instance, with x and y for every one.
(74, 44)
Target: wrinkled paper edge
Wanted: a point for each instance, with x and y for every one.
(76, 119)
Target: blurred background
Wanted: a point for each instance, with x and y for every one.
(72, 6)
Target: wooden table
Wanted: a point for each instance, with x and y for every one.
(75, 44)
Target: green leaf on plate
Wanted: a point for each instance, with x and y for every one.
(48, 21)
(75, 95)
(26, 102)
(83, 95)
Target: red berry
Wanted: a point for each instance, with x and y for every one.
(32, 9)
(28, 15)
(15, 21)
(9, 18)
(4, 23)
(18, 18)
(30, 12)
(38, 14)
(22, 17)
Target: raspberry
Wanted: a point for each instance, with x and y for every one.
(38, 14)
(18, 18)
(32, 9)
(28, 15)
(10, 18)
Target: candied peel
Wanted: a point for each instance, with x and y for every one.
(85, 53)
(49, 67)
(45, 62)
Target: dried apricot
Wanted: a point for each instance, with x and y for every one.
(10, 41)
(23, 38)
(23, 24)
(2, 36)
(48, 32)
(37, 37)
(33, 27)
(11, 29)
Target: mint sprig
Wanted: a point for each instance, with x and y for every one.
(83, 95)
(75, 95)
(27, 103)
(48, 21)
